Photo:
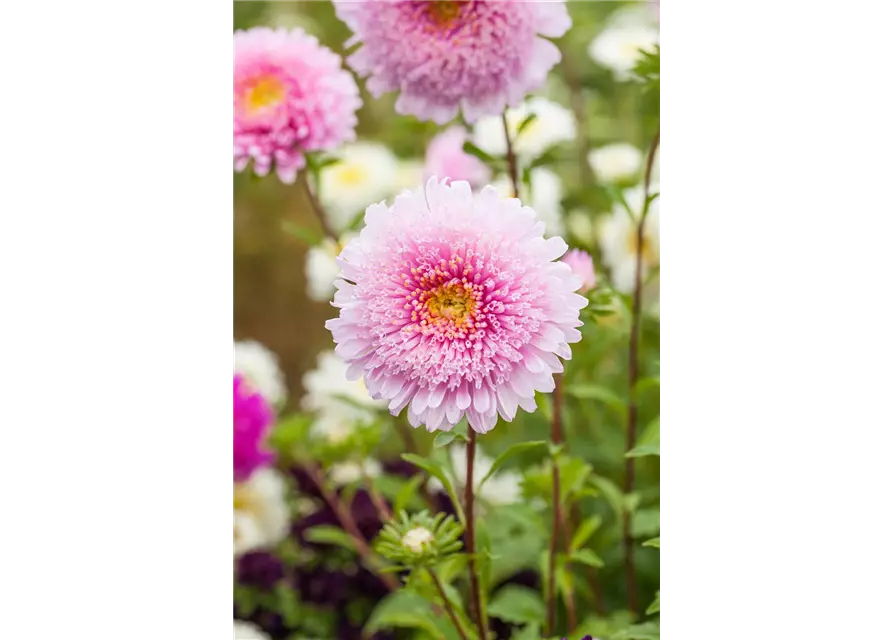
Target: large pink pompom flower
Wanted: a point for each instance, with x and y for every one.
(252, 418)
(477, 55)
(446, 158)
(290, 96)
(453, 304)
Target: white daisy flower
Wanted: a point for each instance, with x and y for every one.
(579, 223)
(617, 238)
(365, 174)
(344, 473)
(619, 162)
(246, 631)
(321, 268)
(260, 368)
(618, 46)
(545, 199)
(339, 403)
(260, 513)
(553, 124)
(501, 488)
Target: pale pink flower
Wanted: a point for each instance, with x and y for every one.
(580, 263)
(290, 96)
(479, 55)
(454, 304)
(446, 158)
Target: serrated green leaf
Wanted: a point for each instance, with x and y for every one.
(437, 470)
(478, 153)
(584, 532)
(587, 557)
(654, 542)
(508, 454)
(327, 534)
(518, 605)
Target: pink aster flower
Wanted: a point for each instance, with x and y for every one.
(290, 96)
(252, 418)
(477, 55)
(580, 263)
(453, 304)
(446, 158)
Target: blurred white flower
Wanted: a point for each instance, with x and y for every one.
(260, 368)
(340, 404)
(545, 199)
(321, 268)
(365, 175)
(618, 46)
(344, 473)
(260, 514)
(617, 238)
(410, 174)
(501, 488)
(417, 539)
(247, 631)
(553, 124)
(617, 162)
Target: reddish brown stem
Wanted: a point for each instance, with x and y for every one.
(510, 156)
(384, 511)
(447, 605)
(477, 610)
(350, 526)
(317, 207)
(632, 409)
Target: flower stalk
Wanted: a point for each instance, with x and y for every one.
(477, 610)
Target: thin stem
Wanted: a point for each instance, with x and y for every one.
(447, 605)
(510, 156)
(477, 610)
(632, 409)
(578, 105)
(594, 584)
(350, 526)
(317, 207)
(384, 511)
(556, 507)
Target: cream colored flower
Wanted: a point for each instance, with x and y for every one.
(365, 174)
(617, 238)
(344, 473)
(260, 368)
(260, 513)
(619, 162)
(553, 124)
(417, 539)
(618, 46)
(544, 197)
(501, 488)
(247, 631)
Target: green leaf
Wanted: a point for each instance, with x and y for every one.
(645, 384)
(472, 150)
(518, 605)
(484, 550)
(403, 609)
(654, 542)
(654, 607)
(644, 450)
(646, 631)
(289, 432)
(612, 493)
(598, 392)
(444, 438)
(436, 469)
(407, 493)
(584, 532)
(509, 453)
(528, 632)
(646, 522)
(311, 238)
(327, 534)
(526, 122)
(587, 557)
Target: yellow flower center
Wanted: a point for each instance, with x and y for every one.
(452, 303)
(444, 12)
(264, 93)
(351, 175)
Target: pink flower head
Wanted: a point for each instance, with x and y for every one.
(580, 263)
(446, 158)
(452, 304)
(290, 96)
(252, 418)
(480, 55)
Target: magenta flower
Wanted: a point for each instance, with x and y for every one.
(452, 304)
(252, 419)
(290, 96)
(580, 263)
(446, 158)
(477, 55)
